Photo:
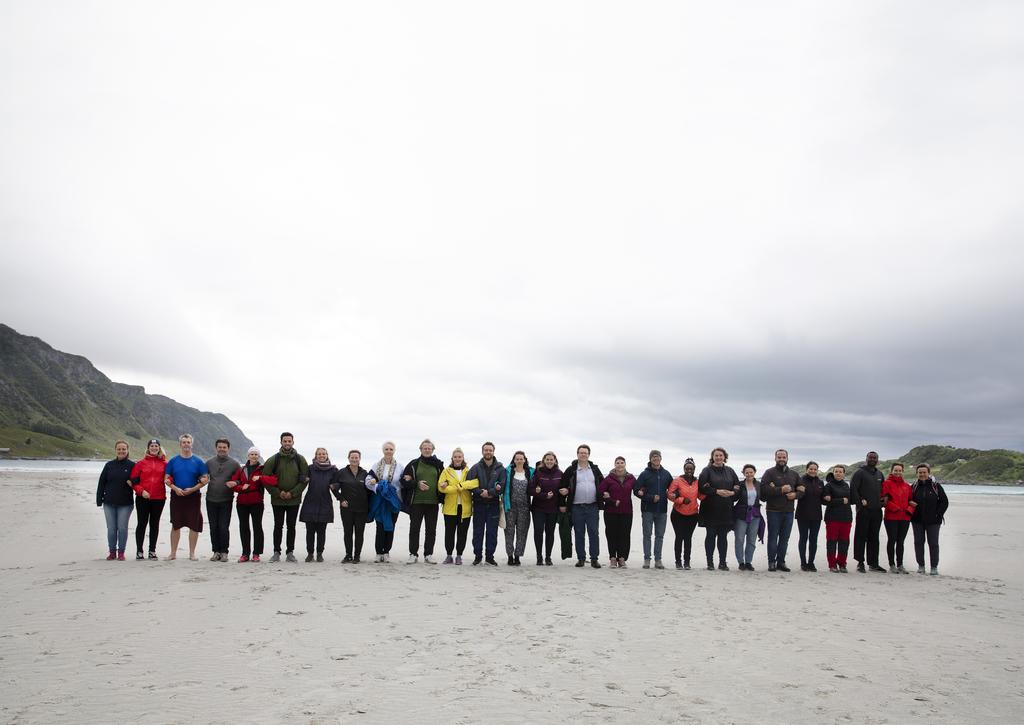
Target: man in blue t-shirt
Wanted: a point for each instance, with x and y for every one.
(186, 475)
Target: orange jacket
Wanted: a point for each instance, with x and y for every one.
(683, 490)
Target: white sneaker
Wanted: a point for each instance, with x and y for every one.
(428, 559)
(412, 559)
(387, 558)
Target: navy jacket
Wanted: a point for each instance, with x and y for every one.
(115, 486)
(653, 483)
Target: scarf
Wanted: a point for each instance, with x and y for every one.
(322, 466)
(385, 471)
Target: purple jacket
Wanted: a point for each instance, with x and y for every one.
(620, 494)
(548, 480)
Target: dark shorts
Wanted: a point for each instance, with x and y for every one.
(187, 512)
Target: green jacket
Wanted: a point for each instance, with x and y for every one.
(292, 474)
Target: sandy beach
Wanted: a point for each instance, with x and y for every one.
(87, 640)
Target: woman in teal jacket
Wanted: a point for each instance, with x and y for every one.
(516, 501)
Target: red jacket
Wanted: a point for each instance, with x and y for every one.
(249, 491)
(148, 475)
(897, 494)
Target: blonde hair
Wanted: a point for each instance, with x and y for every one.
(321, 448)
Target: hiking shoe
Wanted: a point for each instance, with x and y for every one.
(140, 557)
(490, 560)
(594, 563)
(658, 564)
(540, 561)
(901, 569)
(711, 566)
(112, 555)
(448, 560)
(934, 571)
(771, 566)
(412, 559)
(804, 567)
(679, 565)
(429, 559)
(290, 557)
(812, 567)
(580, 563)
(477, 559)
(458, 561)
(860, 567)
(242, 559)
(920, 568)
(722, 566)
(355, 559)
(647, 564)
(782, 567)
(276, 557)
(309, 557)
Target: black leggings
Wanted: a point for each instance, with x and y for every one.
(616, 532)
(147, 511)
(251, 512)
(316, 533)
(384, 539)
(353, 523)
(280, 514)
(544, 525)
(931, 532)
(683, 526)
(895, 533)
(456, 529)
(719, 534)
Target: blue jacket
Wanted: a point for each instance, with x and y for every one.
(506, 496)
(653, 483)
(384, 504)
(492, 481)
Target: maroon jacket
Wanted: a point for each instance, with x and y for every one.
(620, 494)
(546, 480)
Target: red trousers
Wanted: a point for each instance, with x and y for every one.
(837, 541)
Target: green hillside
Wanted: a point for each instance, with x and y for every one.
(53, 404)
(959, 465)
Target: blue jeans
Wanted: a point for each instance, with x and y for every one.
(584, 521)
(485, 522)
(657, 522)
(117, 525)
(746, 539)
(780, 523)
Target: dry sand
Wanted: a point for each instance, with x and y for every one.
(86, 640)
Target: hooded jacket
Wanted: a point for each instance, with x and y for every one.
(250, 491)
(620, 493)
(866, 485)
(506, 496)
(148, 475)
(458, 491)
(292, 473)
(808, 506)
(932, 502)
(836, 491)
(317, 506)
(653, 482)
(114, 486)
(548, 480)
(896, 493)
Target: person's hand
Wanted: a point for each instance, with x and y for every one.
(231, 484)
(407, 477)
(643, 492)
(786, 488)
(423, 486)
(177, 491)
(801, 489)
(485, 494)
(562, 509)
(537, 490)
(791, 496)
(167, 481)
(656, 498)
(551, 494)
(607, 495)
(286, 495)
(826, 498)
(497, 488)
(563, 492)
(443, 485)
(145, 494)
(256, 478)
(864, 502)
(846, 500)
(344, 504)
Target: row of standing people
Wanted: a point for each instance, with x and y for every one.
(490, 496)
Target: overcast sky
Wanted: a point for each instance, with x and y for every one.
(658, 225)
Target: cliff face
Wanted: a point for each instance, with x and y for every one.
(56, 404)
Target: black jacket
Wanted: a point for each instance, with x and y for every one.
(115, 485)
(808, 507)
(866, 484)
(717, 510)
(771, 488)
(739, 508)
(835, 509)
(569, 482)
(931, 501)
(409, 487)
(351, 487)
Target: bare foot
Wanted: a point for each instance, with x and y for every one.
(193, 557)
(171, 557)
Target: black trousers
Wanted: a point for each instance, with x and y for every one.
(219, 515)
(616, 532)
(251, 512)
(683, 526)
(418, 513)
(147, 512)
(931, 531)
(291, 513)
(353, 523)
(316, 534)
(865, 535)
(895, 534)
(383, 540)
(719, 535)
(456, 529)
(544, 525)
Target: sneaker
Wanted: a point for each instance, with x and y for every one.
(812, 567)
(834, 569)
(901, 569)
(120, 556)
(152, 555)
(490, 560)
(309, 557)
(934, 571)
(458, 561)
(320, 557)
(893, 569)
(580, 563)
(779, 566)
(140, 557)
(594, 563)
(540, 561)
(622, 563)
(511, 561)
(548, 562)
(112, 555)
(658, 564)
(448, 560)
(477, 559)
(412, 559)
(613, 563)
(347, 559)
(771, 566)
(679, 565)
(242, 559)
(429, 559)
(256, 558)
(722, 566)
(290, 557)
(386, 559)
(686, 565)
(876, 568)
(355, 559)
(711, 566)
(647, 564)
(842, 569)
(860, 567)
(216, 556)
(276, 557)
(920, 568)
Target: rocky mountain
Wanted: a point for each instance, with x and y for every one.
(54, 404)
